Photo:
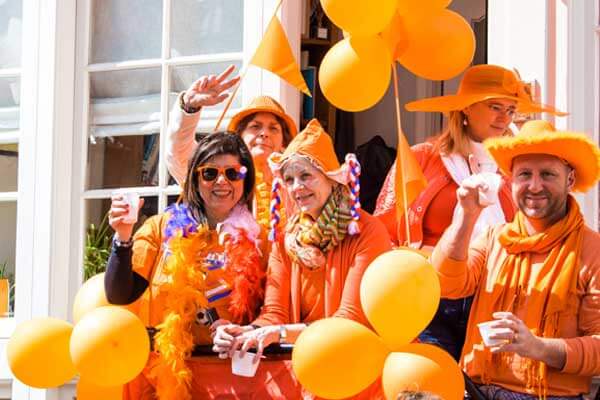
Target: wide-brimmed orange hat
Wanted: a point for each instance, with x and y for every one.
(484, 82)
(263, 104)
(540, 137)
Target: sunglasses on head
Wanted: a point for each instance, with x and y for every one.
(209, 173)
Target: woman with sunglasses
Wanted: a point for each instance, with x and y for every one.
(195, 264)
(318, 259)
(263, 125)
(488, 98)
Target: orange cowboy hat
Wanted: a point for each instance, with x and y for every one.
(484, 82)
(263, 104)
(540, 137)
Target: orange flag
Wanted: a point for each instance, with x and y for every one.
(410, 180)
(275, 54)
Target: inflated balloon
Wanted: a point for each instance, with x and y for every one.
(86, 390)
(336, 358)
(38, 352)
(355, 73)
(91, 295)
(440, 45)
(109, 346)
(410, 7)
(394, 36)
(399, 293)
(359, 17)
(422, 367)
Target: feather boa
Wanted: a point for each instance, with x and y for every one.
(188, 246)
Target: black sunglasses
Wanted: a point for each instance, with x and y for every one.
(209, 173)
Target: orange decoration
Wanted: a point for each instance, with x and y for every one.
(406, 7)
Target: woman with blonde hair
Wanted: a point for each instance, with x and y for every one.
(487, 100)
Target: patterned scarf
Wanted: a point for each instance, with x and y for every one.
(308, 241)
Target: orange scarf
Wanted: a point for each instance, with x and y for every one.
(545, 298)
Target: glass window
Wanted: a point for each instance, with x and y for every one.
(10, 33)
(9, 160)
(8, 219)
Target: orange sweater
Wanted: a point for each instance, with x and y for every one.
(293, 295)
(580, 327)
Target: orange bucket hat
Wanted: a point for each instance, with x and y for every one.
(316, 145)
(540, 137)
(484, 82)
(263, 104)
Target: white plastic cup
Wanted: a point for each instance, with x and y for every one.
(133, 199)
(490, 196)
(245, 365)
(486, 330)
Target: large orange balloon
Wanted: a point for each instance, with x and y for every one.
(359, 17)
(422, 367)
(394, 36)
(38, 352)
(399, 293)
(440, 45)
(109, 346)
(91, 295)
(336, 358)
(355, 73)
(88, 391)
(410, 7)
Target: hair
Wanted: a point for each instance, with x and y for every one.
(216, 144)
(454, 137)
(285, 129)
(417, 395)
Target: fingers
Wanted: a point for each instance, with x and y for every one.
(225, 73)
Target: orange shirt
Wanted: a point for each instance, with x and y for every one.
(579, 327)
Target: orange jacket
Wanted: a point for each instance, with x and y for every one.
(437, 179)
(344, 269)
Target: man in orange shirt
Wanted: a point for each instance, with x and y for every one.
(537, 277)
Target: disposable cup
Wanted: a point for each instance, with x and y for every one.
(486, 330)
(245, 365)
(133, 199)
(490, 196)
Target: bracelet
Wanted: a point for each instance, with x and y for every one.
(184, 107)
(123, 244)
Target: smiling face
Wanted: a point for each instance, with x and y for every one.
(489, 118)
(540, 187)
(263, 135)
(306, 185)
(221, 194)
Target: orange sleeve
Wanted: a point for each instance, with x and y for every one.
(373, 241)
(276, 308)
(146, 246)
(460, 279)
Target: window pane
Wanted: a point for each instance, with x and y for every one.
(9, 160)
(99, 234)
(126, 30)
(206, 27)
(8, 219)
(123, 161)
(10, 91)
(10, 33)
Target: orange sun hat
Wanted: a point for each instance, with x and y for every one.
(480, 83)
(540, 137)
(263, 104)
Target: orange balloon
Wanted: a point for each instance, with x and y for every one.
(91, 295)
(440, 45)
(335, 358)
(407, 7)
(109, 346)
(394, 36)
(399, 293)
(38, 352)
(86, 390)
(422, 367)
(359, 17)
(355, 73)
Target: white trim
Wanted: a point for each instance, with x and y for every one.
(10, 72)
(9, 137)
(6, 197)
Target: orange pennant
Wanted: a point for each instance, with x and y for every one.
(410, 180)
(275, 54)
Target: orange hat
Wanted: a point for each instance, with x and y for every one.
(263, 104)
(540, 137)
(484, 82)
(316, 145)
